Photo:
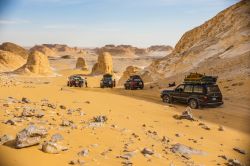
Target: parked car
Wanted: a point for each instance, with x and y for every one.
(195, 94)
(134, 82)
(107, 81)
(75, 80)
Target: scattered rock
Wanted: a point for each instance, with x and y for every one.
(76, 162)
(100, 119)
(25, 100)
(147, 151)
(83, 153)
(56, 137)
(67, 123)
(221, 128)
(62, 107)
(234, 162)
(30, 136)
(52, 147)
(187, 114)
(10, 122)
(5, 138)
(241, 151)
(185, 150)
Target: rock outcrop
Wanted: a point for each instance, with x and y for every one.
(220, 46)
(57, 49)
(130, 70)
(122, 50)
(37, 63)
(10, 61)
(104, 64)
(160, 48)
(15, 49)
(81, 64)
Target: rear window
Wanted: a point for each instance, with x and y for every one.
(213, 88)
(198, 89)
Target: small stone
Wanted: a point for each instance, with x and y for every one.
(25, 100)
(62, 107)
(100, 118)
(10, 122)
(5, 138)
(83, 153)
(221, 128)
(241, 151)
(56, 137)
(51, 147)
(66, 123)
(147, 151)
(234, 162)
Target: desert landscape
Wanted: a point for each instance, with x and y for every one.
(45, 122)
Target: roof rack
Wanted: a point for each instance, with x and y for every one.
(197, 78)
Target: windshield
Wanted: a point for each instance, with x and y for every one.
(213, 88)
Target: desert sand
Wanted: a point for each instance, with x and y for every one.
(45, 122)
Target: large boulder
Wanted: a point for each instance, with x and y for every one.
(30, 136)
(14, 48)
(130, 70)
(104, 64)
(81, 64)
(37, 63)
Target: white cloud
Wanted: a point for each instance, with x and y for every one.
(18, 21)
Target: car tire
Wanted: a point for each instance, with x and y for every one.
(70, 85)
(166, 99)
(193, 104)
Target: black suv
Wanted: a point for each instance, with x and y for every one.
(194, 94)
(75, 80)
(134, 82)
(107, 81)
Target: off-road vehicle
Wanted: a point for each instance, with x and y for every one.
(75, 80)
(196, 91)
(134, 82)
(107, 81)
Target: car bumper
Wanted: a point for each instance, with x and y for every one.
(213, 103)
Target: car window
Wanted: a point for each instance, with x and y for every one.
(180, 88)
(188, 88)
(198, 89)
(213, 88)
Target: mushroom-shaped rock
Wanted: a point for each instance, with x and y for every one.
(104, 64)
(81, 64)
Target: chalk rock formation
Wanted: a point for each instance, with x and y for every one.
(37, 63)
(81, 64)
(10, 61)
(104, 64)
(130, 70)
(14, 48)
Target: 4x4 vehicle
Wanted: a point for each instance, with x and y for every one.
(75, 80)
(195, 93)
(134, 82)
(107, 81)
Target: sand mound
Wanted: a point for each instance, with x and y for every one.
(13, 48)
(104, 64)
(81, 64)
(10, 61)
(130, 70)
(37, 63)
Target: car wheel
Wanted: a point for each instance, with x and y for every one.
(193, 104)
(166, 99)
(70, 85)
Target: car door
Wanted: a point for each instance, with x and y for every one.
(188, 90)
(177, 92)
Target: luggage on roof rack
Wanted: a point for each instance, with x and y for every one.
(200, 78)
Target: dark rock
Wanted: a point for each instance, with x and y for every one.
(62, 107)
(147, 151)
(100, 119)
(83, 153)
(25, 100)
(241, 151)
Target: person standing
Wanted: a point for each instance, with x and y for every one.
(86, 83)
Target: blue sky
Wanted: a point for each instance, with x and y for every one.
(90, 23)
